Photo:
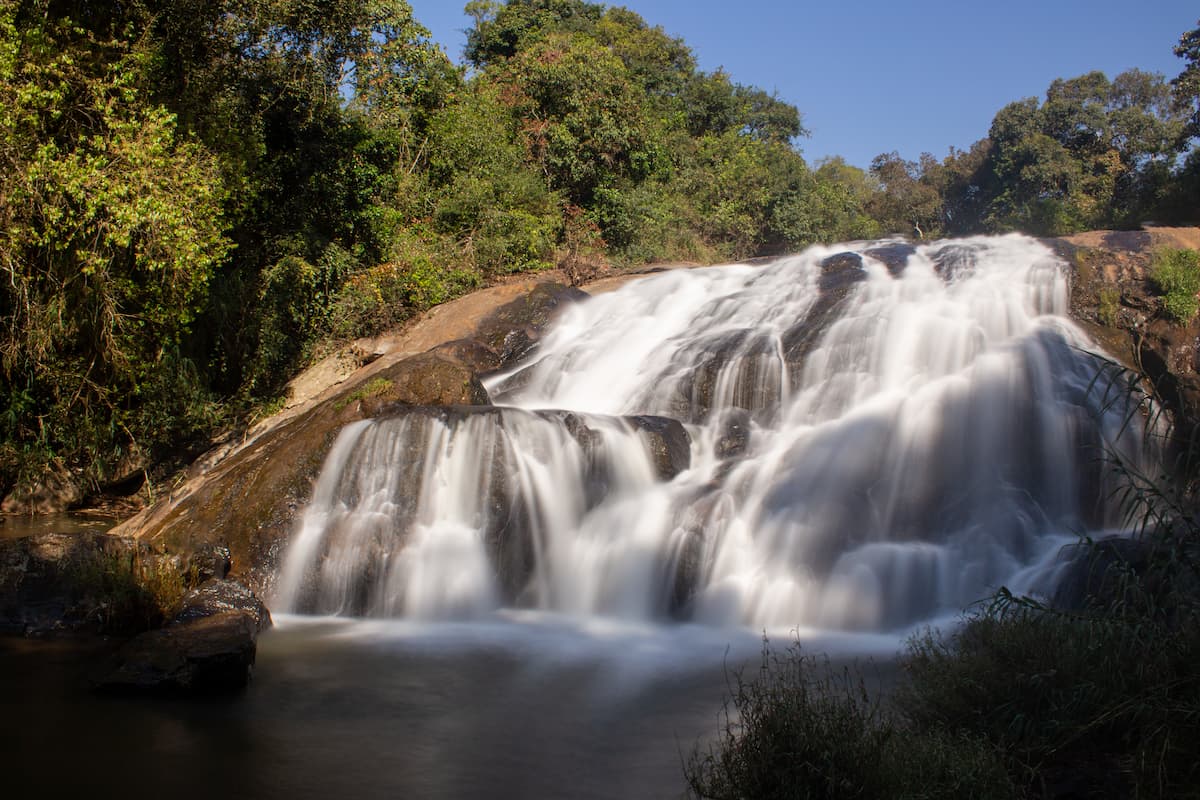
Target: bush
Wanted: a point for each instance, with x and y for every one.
(131, 591)
(418, 277)
(1091, 705)
(801, 730)
(1177, 273)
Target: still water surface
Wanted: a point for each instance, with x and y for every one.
(524, 706)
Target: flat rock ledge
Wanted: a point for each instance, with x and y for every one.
(208, 647)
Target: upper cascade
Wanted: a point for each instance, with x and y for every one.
(880, 433)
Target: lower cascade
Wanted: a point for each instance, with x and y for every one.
(860, 437)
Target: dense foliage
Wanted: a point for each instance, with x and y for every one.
(194, 196)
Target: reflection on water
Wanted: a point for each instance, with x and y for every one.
(14, 526)
(525, 706)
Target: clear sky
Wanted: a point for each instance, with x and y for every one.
(871, 76)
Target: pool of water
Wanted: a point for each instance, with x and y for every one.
(14, 526)
(524, 706)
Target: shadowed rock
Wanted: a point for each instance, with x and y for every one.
(209, 646)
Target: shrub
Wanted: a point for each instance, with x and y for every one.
(1110, 306)
(1096, 704)
(1177, 273)
(419, 276)
(800, 730)
(130, 591)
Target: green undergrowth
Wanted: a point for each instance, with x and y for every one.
(128, 592)
(797, 728)
(1177, 273)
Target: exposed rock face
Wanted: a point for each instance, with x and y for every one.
(426, 379)
(1115, 299)
(209, 645)
(247, 497)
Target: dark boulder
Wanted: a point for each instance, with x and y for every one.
(209, 646)
(839, 275)
(953, 261)
(893, 255)
(1152, 568)
(57, 490)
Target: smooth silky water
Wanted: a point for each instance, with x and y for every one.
(515, 603)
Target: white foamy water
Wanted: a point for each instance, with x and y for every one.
(879, 435)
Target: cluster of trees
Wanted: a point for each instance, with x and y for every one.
(194, 195)
(1094, 154)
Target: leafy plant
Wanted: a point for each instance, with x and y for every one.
(1177, 273)
(1110, 306)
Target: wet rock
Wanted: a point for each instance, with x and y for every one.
(670, 444)
(208, 561)
(220, 596)
(839, 269)
(209, 646)
(893, 254)
(473, 354)
(952, 262)
(734, 439)
(512, 330)
(839, 275)
(737, 369)
(688, 568)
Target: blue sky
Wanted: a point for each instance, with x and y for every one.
(871, 76)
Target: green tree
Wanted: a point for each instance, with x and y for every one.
(1185, 87)
(907, 203)
(110, 230)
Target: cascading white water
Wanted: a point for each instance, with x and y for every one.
(880, 434)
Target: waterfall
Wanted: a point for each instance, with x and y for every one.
(873, 435)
